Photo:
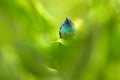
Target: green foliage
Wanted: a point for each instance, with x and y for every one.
(30, 48)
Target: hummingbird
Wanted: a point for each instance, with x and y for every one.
(67, 30)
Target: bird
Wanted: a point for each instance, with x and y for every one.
(67, 30)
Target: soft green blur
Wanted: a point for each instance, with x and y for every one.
(30, 48)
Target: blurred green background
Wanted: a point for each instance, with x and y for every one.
(30, 47)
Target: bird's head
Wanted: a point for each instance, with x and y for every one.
(68, 21)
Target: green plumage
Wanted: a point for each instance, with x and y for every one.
(67, 30)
